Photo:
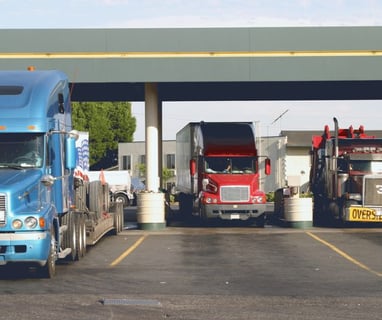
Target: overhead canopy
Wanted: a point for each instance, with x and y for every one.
(205, 64)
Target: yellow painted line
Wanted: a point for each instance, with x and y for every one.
(188, 54)
(345, 255)
(128, 251)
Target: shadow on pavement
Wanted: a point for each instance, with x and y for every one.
(175, 219)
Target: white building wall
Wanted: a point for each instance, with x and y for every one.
(136, 150)
(298, 166)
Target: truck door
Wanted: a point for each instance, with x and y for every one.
(56, 161)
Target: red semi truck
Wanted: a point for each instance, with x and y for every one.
(218, 171)
(346, 176)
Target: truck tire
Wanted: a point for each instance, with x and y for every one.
(96, 198)
(346, 204)
(83, 228)
(80, 194)
(320, 215)
(185, 205)
(70, 236)
(48, 270)
(80, 226)
(260, 221)
(117, 210)
(324, 212)
(122, 224)
(116, 223)
(121, 197)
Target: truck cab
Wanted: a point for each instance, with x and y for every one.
(346, 176)
(218, 172)
(36, 163)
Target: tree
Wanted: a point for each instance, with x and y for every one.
(167, 174)
(108, 123)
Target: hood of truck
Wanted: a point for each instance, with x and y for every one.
(21, 195)
(234, 179)
(13, 180)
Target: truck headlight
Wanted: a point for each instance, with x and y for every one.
(30, 222)
(258, 199)
(17, 224)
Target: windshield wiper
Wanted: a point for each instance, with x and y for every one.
(11, 166)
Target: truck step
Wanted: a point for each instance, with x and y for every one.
(63, 253)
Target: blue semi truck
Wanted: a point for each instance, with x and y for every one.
(48, 208)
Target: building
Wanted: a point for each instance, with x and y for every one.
(132, 157)
(297, 158)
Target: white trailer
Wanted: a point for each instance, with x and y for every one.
(119, 183)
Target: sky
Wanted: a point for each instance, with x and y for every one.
(296, 115)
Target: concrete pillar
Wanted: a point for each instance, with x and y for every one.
(152, 136)
(160, 144)
(150, 204)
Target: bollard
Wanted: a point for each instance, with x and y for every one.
(151, 211)
(298, 212)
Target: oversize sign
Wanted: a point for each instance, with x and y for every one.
(363, 214)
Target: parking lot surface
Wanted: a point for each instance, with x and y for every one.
(214, 272)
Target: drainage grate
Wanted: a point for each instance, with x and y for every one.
(130, 302)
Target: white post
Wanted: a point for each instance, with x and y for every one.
(150, 204)
(152, 136)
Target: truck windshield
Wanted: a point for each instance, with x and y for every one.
(21, 150)
(236, 165)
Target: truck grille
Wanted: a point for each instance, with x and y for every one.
(3, 209)
(373, 192)
(235, 193)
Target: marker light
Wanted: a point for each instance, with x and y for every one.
(41, 222)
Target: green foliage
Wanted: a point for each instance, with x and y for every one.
(108, 123)
(270, 196)
(167, 174)
(306, 195)
(141, 169)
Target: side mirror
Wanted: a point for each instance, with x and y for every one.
(192, 167)
(71, 153)
(267, 166)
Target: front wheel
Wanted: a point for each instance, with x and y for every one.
(346, 204)
(80, 235)
(70, 236)
(120, 197)
(260, 221)
(185, 205)
(118, 213)
(49, 269)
